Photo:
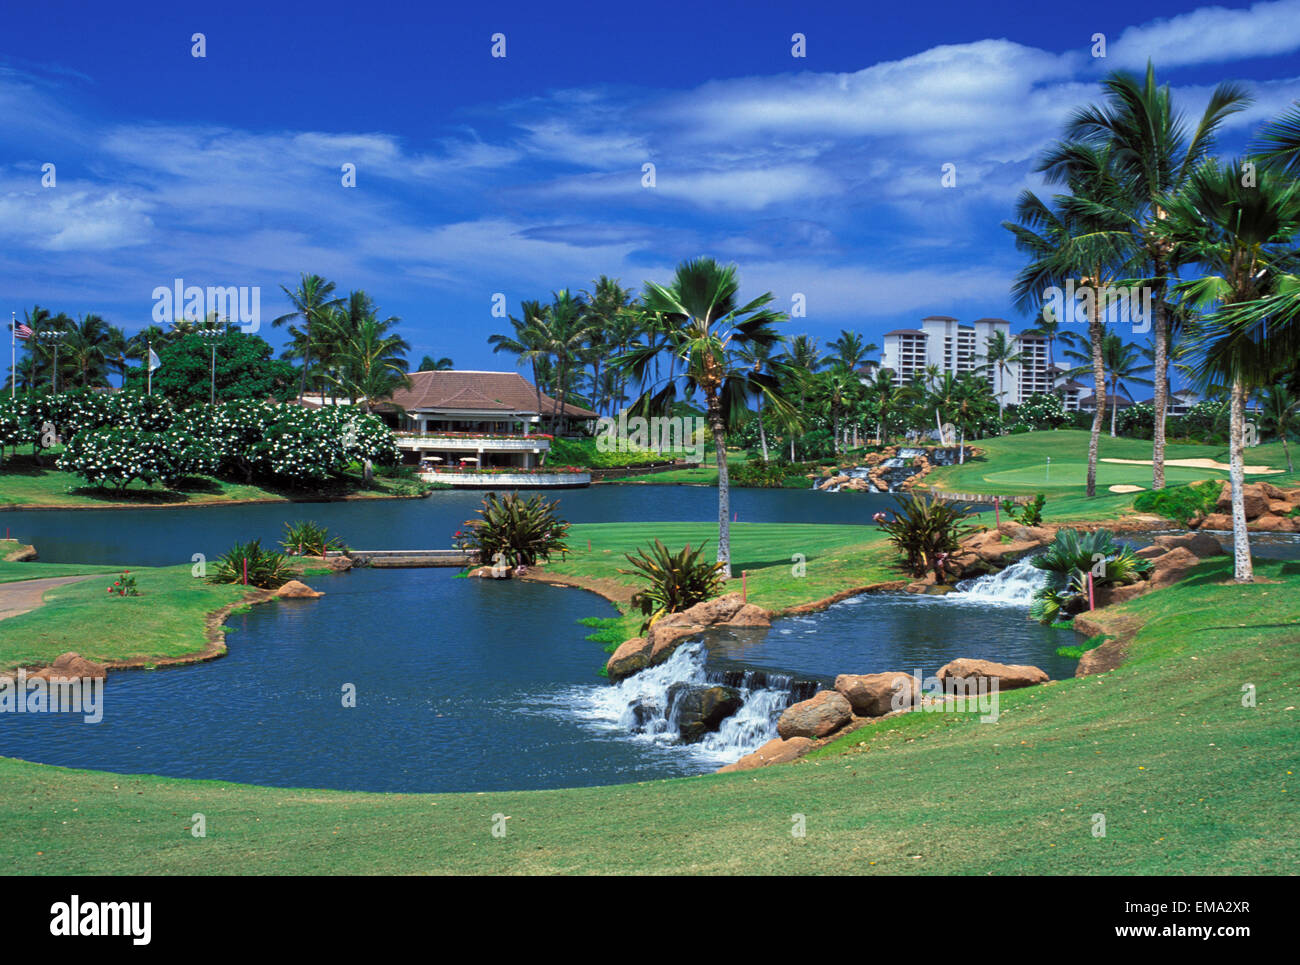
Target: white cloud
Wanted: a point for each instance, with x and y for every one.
(1209, 35)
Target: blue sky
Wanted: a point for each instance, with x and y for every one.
(519, 175)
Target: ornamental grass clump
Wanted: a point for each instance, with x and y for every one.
(513, 531)
(308, 538)
(677, 581)
(1069, 560)
(264, 568)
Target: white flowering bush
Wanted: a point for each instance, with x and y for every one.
(80, 409)
(117, 457)
(17, 427)
(1040, 411)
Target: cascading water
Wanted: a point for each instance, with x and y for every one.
(641, 705)
(1013, 586)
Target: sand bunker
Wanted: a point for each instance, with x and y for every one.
(1125, 488)
(1200, 464)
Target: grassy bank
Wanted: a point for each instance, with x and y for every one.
(24, 484)
(788, 564)
(1188, 779)
(165, 621)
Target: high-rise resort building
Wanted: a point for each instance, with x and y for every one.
(950, 346)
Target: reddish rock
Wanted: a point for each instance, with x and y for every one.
(824, 713)
(631, 656)
(491, 572)
(1202, 544)
(1253, 498)
(775, 751)
(1219, 521)
(294, 590)
(875, 694)
(1172, 567)
(1272, 524)
(71, 665)
(1009, 676)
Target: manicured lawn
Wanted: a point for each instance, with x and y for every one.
(835, 557)
(1017, 465)
(1188, 779)
(24, 483)
(165, 620)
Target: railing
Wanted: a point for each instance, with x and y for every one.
(508, 478)
(486, 443)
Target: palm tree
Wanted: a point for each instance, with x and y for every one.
(1279, 415)
(884, 393)
(702, 327)
(1155, 157)
(1239, 236)
(760, 360)
(528, 343)
(608, 302)
(371, 362)
(1049, 327)
(431, 364)
(799, 363)
(1278, 145)
(311, 302)
(1123, 365)
(851, 350)
(565, 333)
(999, 356)
(1084, 239)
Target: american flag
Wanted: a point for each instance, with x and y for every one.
(22, 331)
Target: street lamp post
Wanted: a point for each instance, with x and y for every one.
(53, 336)
(212, 334)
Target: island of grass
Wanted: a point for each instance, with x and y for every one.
(1189, 778)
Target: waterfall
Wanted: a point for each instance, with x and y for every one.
(1013, 586)
(640, 706)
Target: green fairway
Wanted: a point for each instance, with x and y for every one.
(1189, 781)
(1017, 465)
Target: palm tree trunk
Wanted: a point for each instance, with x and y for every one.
(1161, 399)
(762, 432)
(1114, 407)
(306, 363)
(1098, 393)
(1243, 570)
(1287, 450)
(724, 482)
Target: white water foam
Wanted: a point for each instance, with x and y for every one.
(638, 706)
(1013, 586)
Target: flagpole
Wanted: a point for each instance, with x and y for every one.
(148, 364)
(13, 354)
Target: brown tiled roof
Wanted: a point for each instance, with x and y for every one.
(491, 391)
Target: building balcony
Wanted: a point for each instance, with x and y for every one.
(479, 442)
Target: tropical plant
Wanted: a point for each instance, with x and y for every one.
(1237, 230)
(1069, 559)
(308, 538)
(1278, 413)
(431, 364)
(927, 531)
(1031, 513)
(676, 581)
(1155, 157)
(249, 563)
(999, 356)
(311, 302)
(701, 325)
(513, 531)
(1081, 238)
(1183, 503)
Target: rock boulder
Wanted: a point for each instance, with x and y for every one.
(824, 713)
(700, 710)
(1009, 676)
(776, 751)
(631, 656)
(875, 694)
(294, 590)
(71, 665)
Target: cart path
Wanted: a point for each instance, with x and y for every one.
(22, 596)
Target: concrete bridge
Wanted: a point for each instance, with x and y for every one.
(408, 558)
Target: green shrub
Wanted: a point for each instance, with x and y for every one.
(1068, 561)
(1079, 649)
(926, 530)
(1182, 503)
(514, 531)
(677, 581)
(266, 568)
(1031, 514)
(308, 538)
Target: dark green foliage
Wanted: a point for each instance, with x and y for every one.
(1182, 503)
(927, 530)
(1030, 514)
(1068, 561)
(677, 581)
(513, 531)
(266, 568)
(244, 370)
(308, 538)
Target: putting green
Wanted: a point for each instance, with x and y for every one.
(1108, 474)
